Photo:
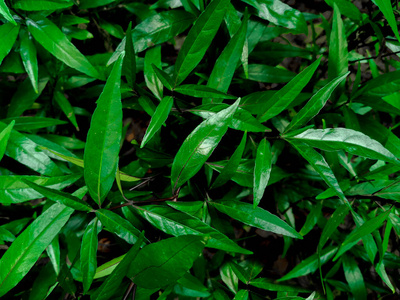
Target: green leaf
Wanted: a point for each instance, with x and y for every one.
(386, 8)
(268, 74)
(177, 224)
(129, 64)
(310, 264)
(4, 136)
(28, 153)
(27, 50)
(38, 5)
(225, 66)
(315, 104)
(60, 197)
(262, 171)
(280, 14)
(242, 295)
(8, 36)
(25, 96)
(229, 170)
(361, 231)
(156, 29)
(66, 107)
(270, 285)
(286, 95)
(354, 278)
(165, 79)
(153, 57)
(13, 189)
(318, 162)
(102, 144)
(114, 280)
(53, 40)
(5, 12)
(256, 217)
(347, 8)
(199, 145)
(158, 118)
(118, 225)
(338, 55)
(85, 4)
(349, 140)
(88, 254)
(31, 123)
(199, 39)
(160, 264)
(201, 91)
(29, 245)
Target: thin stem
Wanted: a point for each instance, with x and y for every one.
(373, 57)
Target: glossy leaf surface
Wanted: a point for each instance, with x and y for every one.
(199, 145)
(201, 91)
(262, 171)
(4, 136)
(8, 34)
(5, 12)
(28, 54)
(102, 145)
(88, 254)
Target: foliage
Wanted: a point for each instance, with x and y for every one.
(199, 149)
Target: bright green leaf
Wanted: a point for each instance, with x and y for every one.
(8, 36)
(262, 171)
(88, 254)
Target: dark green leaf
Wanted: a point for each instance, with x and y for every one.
(201, 91)
(88, 254)
(66, 107)
(199, 39)
(177, 224)
(129, 65)
(84, 4)
(60, 197)
(316, 103)
(102, 144)
(349, 140)
(262, 171)
(31, 123)
(8, 36)
(199, 145)
(27, 248)
(270, 285)
(229, 171)
(53, 40)
(268, 74)
(37, 5)
(118, 225)
(158, 118)
(153, 57)
(283, 98)
(165, 79)
(387, 10)
(347, 8)
(4, 136)
(256, 217)
(27, 51)
(164, 262)
(354, 278)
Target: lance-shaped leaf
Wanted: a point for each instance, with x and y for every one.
(160, 264)
(158, 118)
(129, 65)
(262, 171)
(310, 264)
(65, 106)
(13, 189)
(8, 36)
(88, 254)
(270, 285)
(354, 278)
(315, 104)
(165, 79)
(118, 225)
(199, 39)
(31, 123)
(156, 29)
(360, 232)
(352, 141)
(5, 12)
(27, 50)
(225, 66)
(4, 136)
(114, 280)
(268, 74)
(201, 91)
(29, 245)
(286, 95)
(104, 136)
(153, 57)
(37, 5)
(53, 40)
(177, 224)
(60, 197)
(230, 169)
(256, 217)
(199, 145)
(318, 162)
(386, 8)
